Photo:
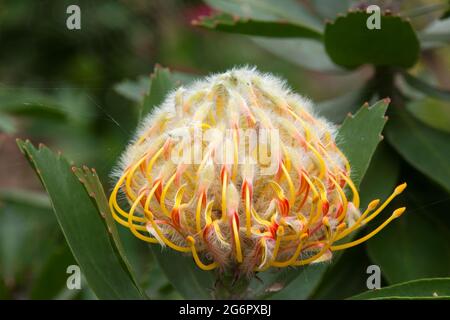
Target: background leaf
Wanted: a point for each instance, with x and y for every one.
(51, 280)
(437, 33)
(289, 10)
(82, 226)
(359, 136)
(161, 82)
(347, 276)
(426, 88)
(335, 110)
(424, 148)
(350, 44)
(419, 239)
(330, 9)
(432, 112)
(306, 53)
(234, 24)
(190, 281)
(134, 90)
(417, 289)
(89, 179)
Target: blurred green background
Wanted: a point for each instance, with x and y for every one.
(70, 90)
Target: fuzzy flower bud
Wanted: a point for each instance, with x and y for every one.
(237, 171)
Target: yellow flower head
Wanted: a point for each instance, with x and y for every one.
(238, 171)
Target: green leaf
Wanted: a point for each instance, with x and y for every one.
(432, 112)
(418, 241)
(27, 234)
(134, 90)
(350, 44)
(426, 88)
(52, 278)
(306, 53)
(436, 34)
(91, 182)
(161, 82)
(26, 197)
(424, 148)
(190, 281)
(7, 124)
(82, 226)
(288, 10)
(416, 289)
(359, 136)
(234, 24)
(30, 103)
(330, 9)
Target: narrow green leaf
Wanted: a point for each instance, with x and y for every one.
(91, 182)
(82, 226)
(424, 148)
(350, 43)
(426, 88)
(432, 112)
(359, 136)
(234, 24)
(7, 124)
(53, 276)
(437, 33)
(161, 82)
(306, 53)
(30, 103)
(330, 9)
(133, 90)
(27, 234)
(288, 10)
(27, 197)
(438, 288)
(190, 281)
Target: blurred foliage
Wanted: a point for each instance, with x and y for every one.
(83, 92)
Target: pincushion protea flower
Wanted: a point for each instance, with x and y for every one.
(237, 171)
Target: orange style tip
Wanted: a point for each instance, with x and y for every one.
(191, 240)
(373, 204)
(400, 188)
(280, 231)
(341, 226)
(397, 213)
(325, 221)
(303, 236)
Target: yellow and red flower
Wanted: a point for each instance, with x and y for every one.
(238, 171)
